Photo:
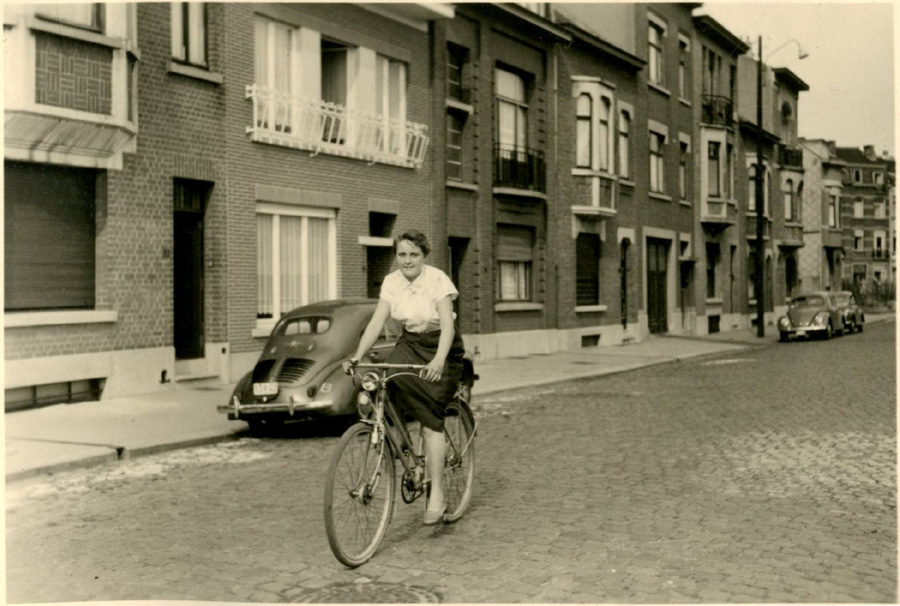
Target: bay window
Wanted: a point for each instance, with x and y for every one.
(713, 170)
(583, 140)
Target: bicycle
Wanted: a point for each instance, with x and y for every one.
(360, 485)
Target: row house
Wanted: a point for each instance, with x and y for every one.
(781, 170)
(866, 197)
(199, 169)
(822, 257)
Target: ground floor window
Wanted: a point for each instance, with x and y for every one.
(49, 237)
(587, 269)
(296, 258)
(515, 254)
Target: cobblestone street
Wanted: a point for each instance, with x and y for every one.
(763, 476)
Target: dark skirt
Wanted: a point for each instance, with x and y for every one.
(421, 399)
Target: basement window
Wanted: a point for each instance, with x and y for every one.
(37, 396)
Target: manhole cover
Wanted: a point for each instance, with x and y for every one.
(362, 591)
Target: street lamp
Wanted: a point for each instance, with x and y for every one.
(760, 277)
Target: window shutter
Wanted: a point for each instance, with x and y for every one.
(514, 243)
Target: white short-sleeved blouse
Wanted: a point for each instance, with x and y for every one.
(414, 304)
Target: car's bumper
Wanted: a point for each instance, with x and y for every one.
(236, 410)
(803, 331)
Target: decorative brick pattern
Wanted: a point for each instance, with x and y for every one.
(73, 74)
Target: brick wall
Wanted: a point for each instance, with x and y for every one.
(73, 74)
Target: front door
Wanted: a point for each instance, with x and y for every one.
(657, 254)
(190, 204)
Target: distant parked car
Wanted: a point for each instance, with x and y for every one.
(813, 314)
(298, 375)
(854, 318)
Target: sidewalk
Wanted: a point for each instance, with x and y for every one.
(66, 436)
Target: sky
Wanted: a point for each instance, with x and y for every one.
(850, 69)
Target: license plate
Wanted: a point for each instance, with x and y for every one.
(801, 333)
(265, 389)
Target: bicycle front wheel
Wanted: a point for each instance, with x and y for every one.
(459, 464)
(359, 495)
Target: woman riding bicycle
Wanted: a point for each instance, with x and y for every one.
(420, 297)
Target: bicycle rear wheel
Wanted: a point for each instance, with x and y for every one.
(459, 465)
(359, 495)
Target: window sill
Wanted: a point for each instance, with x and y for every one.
(22, 319)
(590, 172)
(461, 185)
(714, 301)
(684, 101)
(687, 203)
(198, 73)
(375, 241)
(500, 307)
(459, 106)
(626, 182)
(70, 31)
(660, 89)
(793, 224)
(586, 309)
(658, 196)
(525, 193)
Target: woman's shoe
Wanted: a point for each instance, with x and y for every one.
(435, 517)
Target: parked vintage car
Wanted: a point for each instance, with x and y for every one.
(853, 316)
(298, 375)
(813, 314)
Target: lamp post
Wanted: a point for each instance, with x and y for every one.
(760, 277)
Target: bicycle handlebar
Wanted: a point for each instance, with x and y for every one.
(349, 367)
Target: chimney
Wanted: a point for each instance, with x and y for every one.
(870, 152)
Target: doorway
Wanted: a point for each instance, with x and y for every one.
(457, 249)
(188, 287)
(657, 281)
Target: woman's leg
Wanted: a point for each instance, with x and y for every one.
(435, 449)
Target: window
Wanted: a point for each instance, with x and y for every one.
(603, 134)
(751, 273)
(712, 260)
(879, 210)
(789, 195)
(878, 240)
(272, 71)
(857, 175)
(583, 141)
(858, 209)
(296, 252)
(858, 240)
(512, 111)
(729, 170)
(712, 68)
(732, 82)
(684, 173)
(656, 72)
(878, 178)
(515, 244)
(334, 72)
(657, 162)
(683, 67)
(390, 105)
(49, 243)
(834, 204)
(587, 269)
(189, 26)
(624, 144)
(455, 123)
(714, 171)
(751, 206)
(85, 15)
(456, 59)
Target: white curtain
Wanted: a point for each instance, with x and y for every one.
(290, 256)
(264, 266)
(319, 260)
(513, 281)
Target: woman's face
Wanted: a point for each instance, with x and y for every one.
(410, 259)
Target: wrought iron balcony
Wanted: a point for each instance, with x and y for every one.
(519, 167)
(329, 128)
(790, 156)
(718, 110)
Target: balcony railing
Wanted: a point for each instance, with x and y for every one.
(519, 167)
(718, 110)
(320, 126)
(790, 156)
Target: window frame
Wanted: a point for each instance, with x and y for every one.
(460, 118)
(859, 208)
(684, 171)
(656, 68)
(624, 143)
(684, 67)
(278, 210)
(582, 120)
(657, 162)
(834, 214)
(788, 198)
(456, 54)
(751, 196)
(522, 264)
(186, 23)
(714, 162)
(591, 272)
(859, 240)
(520, 113)
(98, 16)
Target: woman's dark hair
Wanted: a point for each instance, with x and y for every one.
(416, 237)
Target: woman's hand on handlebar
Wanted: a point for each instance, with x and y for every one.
(350, 365)
(432, 371)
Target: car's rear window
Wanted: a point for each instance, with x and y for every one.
(809, 302)
(309, 325)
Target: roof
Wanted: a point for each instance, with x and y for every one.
(714, 30)
(855, 155)
(785, 75)
(527, 16)
(609, 50)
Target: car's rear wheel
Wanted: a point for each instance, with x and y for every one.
(783, 337)
(829, 331)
